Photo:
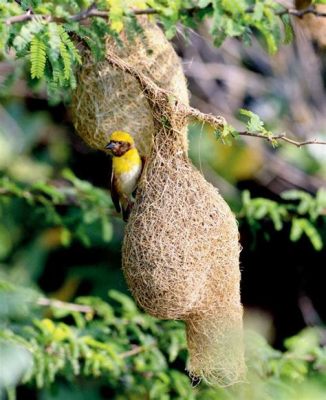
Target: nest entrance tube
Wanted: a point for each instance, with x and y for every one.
(180, 254)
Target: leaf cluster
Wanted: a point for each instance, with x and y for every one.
(112, 341)
(254, 126)
(305, 214)
(131, 353)
(70, 204)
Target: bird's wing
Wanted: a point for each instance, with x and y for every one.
(143, 161)
(114, 193)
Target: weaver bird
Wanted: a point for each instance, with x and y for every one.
(126, 170)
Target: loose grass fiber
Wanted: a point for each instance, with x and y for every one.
(180, 253)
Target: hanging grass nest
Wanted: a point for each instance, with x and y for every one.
(181, 260)
(107, 99)
(181, 250)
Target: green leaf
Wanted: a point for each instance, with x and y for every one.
(107, 229)
(254, 123)
(26, 34)
(74, 53)
(116, 12)
(246, 198)
(127, 304)
(66, 237)
(296, 230)
(204, 3)
(258, 12)
(234, 7)
(301, 226)
(66, 60)
(54, 41)
(38, 58)
(288, 29)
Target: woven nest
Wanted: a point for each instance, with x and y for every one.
(180, 251)
(181, 260)
(107, 99)
(315, 26)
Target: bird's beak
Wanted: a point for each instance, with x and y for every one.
(110, 146)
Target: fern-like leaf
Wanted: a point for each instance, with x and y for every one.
(38, 58)
(66, 60)
(28, 31)
(54, 41)
(69, 45)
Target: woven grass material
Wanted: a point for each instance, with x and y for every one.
(107, 99)
(181, 250)
(315, 26)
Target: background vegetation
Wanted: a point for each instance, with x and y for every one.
(68, 327)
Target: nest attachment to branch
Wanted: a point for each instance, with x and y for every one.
(108, 99)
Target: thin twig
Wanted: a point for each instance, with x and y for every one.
(20, 18)
(217, 122)
(43, 301)
(275, 138)
(146, 11)
(135, 350)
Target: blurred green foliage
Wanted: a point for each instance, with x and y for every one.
(306, 214)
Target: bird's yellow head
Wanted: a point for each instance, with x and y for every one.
(120, 142)
(121, 136)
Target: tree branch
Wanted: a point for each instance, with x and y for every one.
(156, 95)
(217, 122)
(301, 13)
(93, 11)
(135, 350)
(43, 301)
(90, 12)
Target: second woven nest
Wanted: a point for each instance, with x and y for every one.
(107, 99)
